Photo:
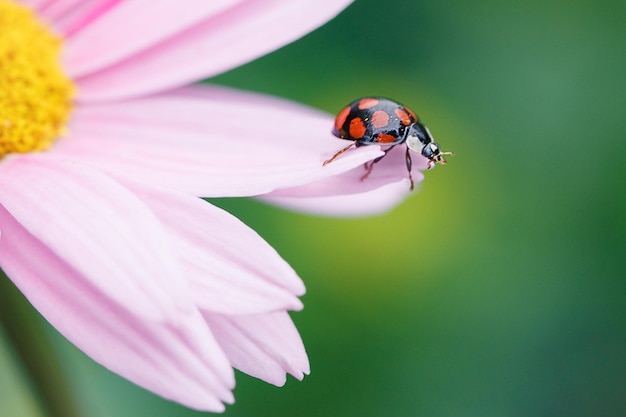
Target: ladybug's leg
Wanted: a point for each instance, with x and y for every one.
(409, 164)
(328, 161)
(368, 169)
(370, 164)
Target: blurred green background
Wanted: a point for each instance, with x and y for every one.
(496, 290)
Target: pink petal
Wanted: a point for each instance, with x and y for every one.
(69, 16)
(139, 25)
(232, 270)
(264, 346)
(390, 170)
(62, 204)
(347, 195)
(54, 9)
(369, 203)
(220, 42)
(210, 142)
(34, 4)
(65, 250)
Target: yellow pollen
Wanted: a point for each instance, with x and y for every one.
(35, 95)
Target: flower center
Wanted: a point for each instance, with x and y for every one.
(35, 95)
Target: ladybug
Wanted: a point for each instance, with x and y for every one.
(380, 121)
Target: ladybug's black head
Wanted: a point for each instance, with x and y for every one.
(420, 140)
(432, 152)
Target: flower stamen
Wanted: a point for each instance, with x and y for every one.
(35, 94)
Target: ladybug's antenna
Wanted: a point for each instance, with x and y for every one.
(443, 161)
(438, 159)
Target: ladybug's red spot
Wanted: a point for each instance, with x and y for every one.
(412, 113)
(341, 118)
(385, 138)
(367, 103)
(404, 117)
(380, 118)
(357, 128)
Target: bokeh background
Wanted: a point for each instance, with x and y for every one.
(496, 290)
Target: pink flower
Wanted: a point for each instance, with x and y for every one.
(103, 231)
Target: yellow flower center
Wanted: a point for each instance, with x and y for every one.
(35, 95)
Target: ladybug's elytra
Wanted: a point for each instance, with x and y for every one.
(380, 121)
